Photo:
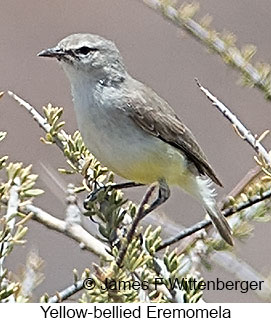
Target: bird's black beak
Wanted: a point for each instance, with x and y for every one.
(52, 52)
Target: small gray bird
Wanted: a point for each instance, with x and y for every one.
(130, 129)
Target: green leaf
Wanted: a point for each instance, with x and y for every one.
(33, 192)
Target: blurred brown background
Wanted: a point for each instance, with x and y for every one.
(161, 55)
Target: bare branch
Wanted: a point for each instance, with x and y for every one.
(67, 292)
(36, 116)
(72, 230)
(250, 176)
(242, 130)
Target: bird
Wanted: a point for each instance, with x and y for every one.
(130, 129)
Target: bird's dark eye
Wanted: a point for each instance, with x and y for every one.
(85, 50)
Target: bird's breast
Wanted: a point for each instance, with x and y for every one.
(118, 143)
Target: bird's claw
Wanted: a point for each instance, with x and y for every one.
(92, 196)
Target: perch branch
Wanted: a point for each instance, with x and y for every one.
(205, 223)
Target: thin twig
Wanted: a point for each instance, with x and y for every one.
(79, 285)
(135, 223)
(36, 116)
(250, 176)
(218, 45)
(72, 230)
(205, 223)
(242, 130)
(67, 292)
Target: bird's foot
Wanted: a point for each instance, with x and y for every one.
(95, 193)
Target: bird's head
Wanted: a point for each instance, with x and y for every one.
(87, 54)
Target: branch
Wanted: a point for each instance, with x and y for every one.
(36, 116)
(231, 53)
(205, 223)
(250, 176)
(67, 292)
(243, 132)
(135, 223)
(72, 230)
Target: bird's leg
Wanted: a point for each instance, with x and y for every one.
(163, 195)
(118, 186)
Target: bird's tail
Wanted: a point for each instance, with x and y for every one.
(220, 222)
(206, 193)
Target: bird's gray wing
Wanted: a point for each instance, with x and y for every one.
(154, 115)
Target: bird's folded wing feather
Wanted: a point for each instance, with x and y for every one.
(155, 116)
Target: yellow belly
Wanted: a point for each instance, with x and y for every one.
(148, 168)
